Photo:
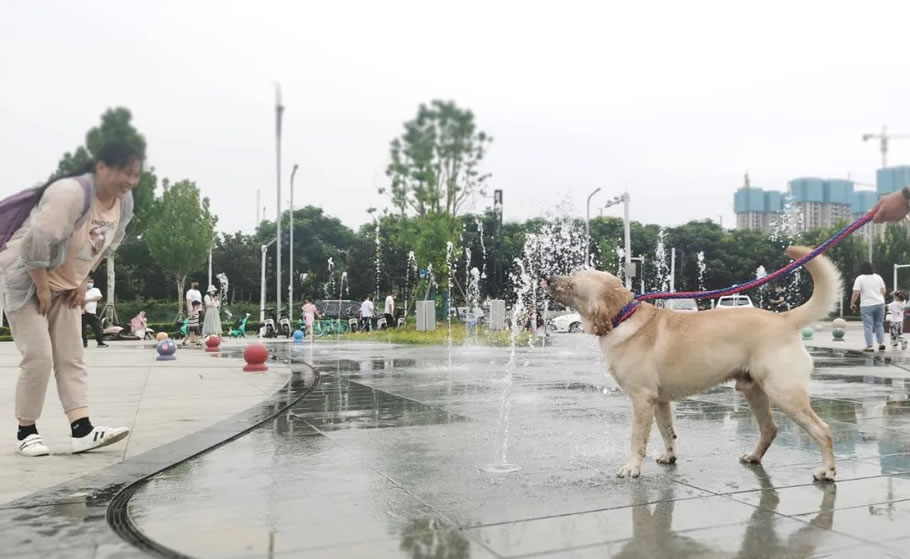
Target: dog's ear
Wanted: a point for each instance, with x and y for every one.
(601, 320)
(612, 298)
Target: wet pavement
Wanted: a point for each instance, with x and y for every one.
(386, 457)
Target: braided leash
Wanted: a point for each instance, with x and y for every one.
(784, 272)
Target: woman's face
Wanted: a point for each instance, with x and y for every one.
(116, 181)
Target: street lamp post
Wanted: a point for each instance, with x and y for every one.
(279, 111)
(291, 249)
(588, 227)
(264, 248)
(627, 233)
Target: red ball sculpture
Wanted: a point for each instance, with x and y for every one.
(212, 344)
(255, 356)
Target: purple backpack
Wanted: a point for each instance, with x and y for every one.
(15, 209)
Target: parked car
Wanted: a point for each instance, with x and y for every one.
(733, 301)
(566, 323)
(682, 305)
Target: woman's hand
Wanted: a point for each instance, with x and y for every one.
(75, 298)
(45, 300)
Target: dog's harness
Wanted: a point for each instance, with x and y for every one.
(630, 309)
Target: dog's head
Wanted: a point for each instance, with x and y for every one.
(597, 296)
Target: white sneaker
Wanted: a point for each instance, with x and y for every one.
(32, 445)
(99, 437)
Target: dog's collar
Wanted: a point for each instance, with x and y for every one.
(626, 312)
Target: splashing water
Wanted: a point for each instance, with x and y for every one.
(330, 284)
(524, 284)
(378, 256)
(558, 249)
(467, 269)
(702, 268)
(620, 262)
(760, 272)
(662, 278)
(344, 277)
(411, 265)
(483, 249)
(225, 285)
(473, 300)
(450, 268)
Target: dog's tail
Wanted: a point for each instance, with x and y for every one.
(826, 290)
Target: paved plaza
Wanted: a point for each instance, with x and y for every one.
(377, 450)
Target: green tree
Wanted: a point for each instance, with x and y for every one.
(180, 232)
(435, 163)
(847, 255)
(893, 247)
(237, 256)
(317, 237)
(116, 124)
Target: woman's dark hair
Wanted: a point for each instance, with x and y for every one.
(866, 268)
(113, 153)
(899, 295)
(118, 154)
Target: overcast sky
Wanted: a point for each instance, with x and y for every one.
(675, 100)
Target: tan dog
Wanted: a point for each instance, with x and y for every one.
(658, 356)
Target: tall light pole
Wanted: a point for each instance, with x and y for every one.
(291, 248)
(627, 233)
(279, 110)
(588, 227)
(264, 248)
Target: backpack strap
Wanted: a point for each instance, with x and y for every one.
(86, 183)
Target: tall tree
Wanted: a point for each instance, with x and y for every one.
(116, 124)
(180, 232)
(435, 163)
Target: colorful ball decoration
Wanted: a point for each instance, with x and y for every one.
(255, 356)
(213, 344)
(166, 349)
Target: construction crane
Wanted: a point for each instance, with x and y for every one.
(883, 138)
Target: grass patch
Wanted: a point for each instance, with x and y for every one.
(410, 335)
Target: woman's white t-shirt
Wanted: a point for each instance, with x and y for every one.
(870, 287)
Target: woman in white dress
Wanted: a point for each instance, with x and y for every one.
(212, 324)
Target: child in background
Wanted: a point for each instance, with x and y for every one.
(193, 325)
(896, 317)
(310, 313)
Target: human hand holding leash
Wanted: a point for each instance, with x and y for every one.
(892, 207)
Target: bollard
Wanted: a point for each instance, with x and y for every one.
(255, 356)
(298, 336)
(838, 326)
(166, 349)
(213, 344)
(807, 332)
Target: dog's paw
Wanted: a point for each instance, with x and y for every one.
(749, 458)
(824, 474)
(667, 458)
(629, 470)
